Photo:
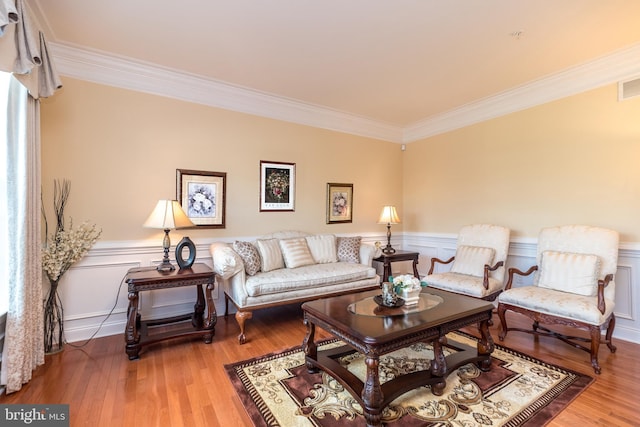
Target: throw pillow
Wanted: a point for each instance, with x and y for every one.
(270, 254)
(471, 260)
(226, 261)
(323, 248)
(569, 272)
(249, 255)
(349, 249)
(296, 252)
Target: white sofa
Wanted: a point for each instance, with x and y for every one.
(289, 267)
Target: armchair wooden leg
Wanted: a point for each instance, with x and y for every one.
(503, 322)
(610, 327)
(595, 346)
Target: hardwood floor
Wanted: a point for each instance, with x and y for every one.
(182, 382)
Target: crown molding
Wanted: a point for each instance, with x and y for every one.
(126, 73)
(605, 70)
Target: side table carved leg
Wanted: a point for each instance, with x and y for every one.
(198, 308)
(210, 322)
(387, 270)
(309, 346)
(131, 332)
(438, 367)
(415, 268)
(485, 346)
(372, 396)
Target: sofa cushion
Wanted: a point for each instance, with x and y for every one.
(249, 255)
(316, 276)
(569, 272)
(296, 252)
(472, 259)
(556, 303)
(349, 249)
(270, 254)
(463, 284)
(323, 248)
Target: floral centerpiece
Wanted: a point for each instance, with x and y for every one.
(61, 250)
(408, 287)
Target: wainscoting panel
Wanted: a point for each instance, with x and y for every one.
(95, 298)
(624, 293)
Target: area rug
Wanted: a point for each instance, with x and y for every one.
(276, 390)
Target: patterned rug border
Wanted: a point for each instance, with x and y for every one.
(532, 416)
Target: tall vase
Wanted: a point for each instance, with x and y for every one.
(53, 320)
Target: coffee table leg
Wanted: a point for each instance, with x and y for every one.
(309, 346)
(372, 396)
(438, 367)
(485, 346)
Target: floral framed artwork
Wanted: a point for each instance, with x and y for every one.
(202, 195)
(277, 186)
(339, 203)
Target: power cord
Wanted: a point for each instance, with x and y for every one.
(108, 315)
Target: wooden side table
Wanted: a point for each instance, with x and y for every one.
(387, 259)
(150, 279)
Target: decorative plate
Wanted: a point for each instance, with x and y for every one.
(378, 300)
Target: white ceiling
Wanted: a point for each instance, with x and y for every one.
(393, 65)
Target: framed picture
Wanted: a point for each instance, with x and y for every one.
(277, 186)
(339, 203)
(202, 196)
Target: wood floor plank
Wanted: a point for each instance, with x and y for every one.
(182, 382)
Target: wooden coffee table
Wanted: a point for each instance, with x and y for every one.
(375, 331)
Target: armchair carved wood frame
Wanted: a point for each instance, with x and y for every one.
(478, 266)
(551, 306)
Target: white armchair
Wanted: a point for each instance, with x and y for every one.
(573, 285)
(478, 265)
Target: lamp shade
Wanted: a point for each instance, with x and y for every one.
(168, 214)
(389, 216)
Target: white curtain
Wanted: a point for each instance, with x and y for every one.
(24, 344)
(23, 52)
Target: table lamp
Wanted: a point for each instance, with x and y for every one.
(167, 215)
(389, 216)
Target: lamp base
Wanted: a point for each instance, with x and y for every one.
(166, 244)
(388, 249)
(165, 266)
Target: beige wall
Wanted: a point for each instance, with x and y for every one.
(575, 160)
(121, 149)
(570, 161)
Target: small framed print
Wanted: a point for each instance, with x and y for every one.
(339, 203)
(277, 186)
(202, 196)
